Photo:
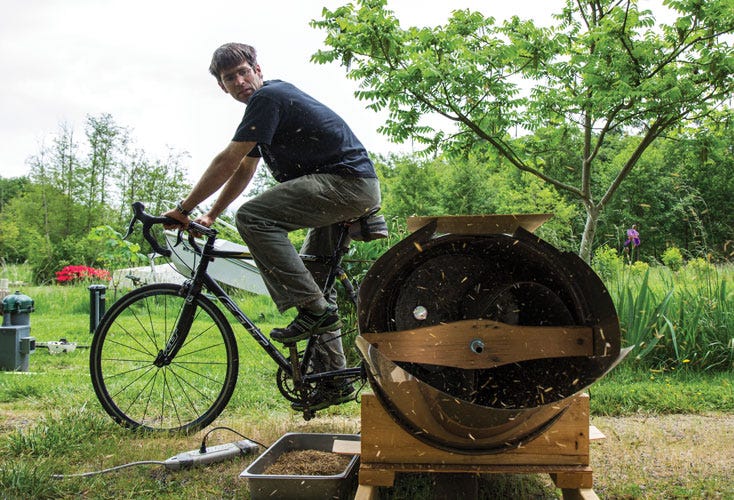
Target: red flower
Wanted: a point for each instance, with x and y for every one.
(81, 273)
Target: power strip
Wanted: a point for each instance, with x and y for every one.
(212, 455)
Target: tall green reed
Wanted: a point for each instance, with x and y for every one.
(642, 314)
(704, 317)
(676, 319)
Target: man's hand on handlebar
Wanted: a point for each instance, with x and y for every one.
(172, 219)
(175, 214)
(205, 220)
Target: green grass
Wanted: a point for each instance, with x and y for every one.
(16, 273)
(628, 391)
(52, 422)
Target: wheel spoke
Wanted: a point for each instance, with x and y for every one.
(136, 388)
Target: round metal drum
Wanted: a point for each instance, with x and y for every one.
(430, 279)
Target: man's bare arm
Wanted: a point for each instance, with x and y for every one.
(222, 168)
(234, 186)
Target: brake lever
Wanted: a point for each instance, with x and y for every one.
(148, 221)
(130, 227)
(194, 244)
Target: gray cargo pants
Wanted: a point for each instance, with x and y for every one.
(318, 202)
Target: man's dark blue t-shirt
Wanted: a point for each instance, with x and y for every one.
(297, 135)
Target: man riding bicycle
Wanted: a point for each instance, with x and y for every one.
(325, 176)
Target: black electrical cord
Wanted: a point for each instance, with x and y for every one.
(202, 449)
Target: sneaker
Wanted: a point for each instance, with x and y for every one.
(306, 324)
(323, 397)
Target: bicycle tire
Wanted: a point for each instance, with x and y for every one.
(185, 395)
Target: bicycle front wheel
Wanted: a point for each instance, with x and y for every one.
(184, 395)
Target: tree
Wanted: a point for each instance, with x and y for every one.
(75, 186)
(479, 184)
(55, 170)
(159, 184)
(606, 68)
(32, 231)
(702, 155)
(107, 142)
(10, 188)
(679, 194)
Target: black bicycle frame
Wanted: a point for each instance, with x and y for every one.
(202, 280)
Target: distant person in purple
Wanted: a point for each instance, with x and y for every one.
(633, 241)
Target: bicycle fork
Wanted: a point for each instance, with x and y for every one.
(179, 333)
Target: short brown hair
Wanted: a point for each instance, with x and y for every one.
(230, 55)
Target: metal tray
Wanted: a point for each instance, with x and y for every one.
(269, 486)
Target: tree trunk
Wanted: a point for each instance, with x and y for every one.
(587, 238)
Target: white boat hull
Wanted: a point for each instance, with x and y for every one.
(239, 273)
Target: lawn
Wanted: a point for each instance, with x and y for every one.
(669, 432)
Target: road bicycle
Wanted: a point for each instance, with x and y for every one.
(164, 357)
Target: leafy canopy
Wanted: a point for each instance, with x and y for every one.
(605, 68)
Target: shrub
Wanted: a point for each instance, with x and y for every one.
(699, 266)
(606, 262)
(672, 258)
(114, 251)
(47, 257)
(639, 268)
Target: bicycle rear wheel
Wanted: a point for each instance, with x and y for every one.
(185, 395)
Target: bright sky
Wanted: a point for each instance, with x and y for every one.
(146, 63)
